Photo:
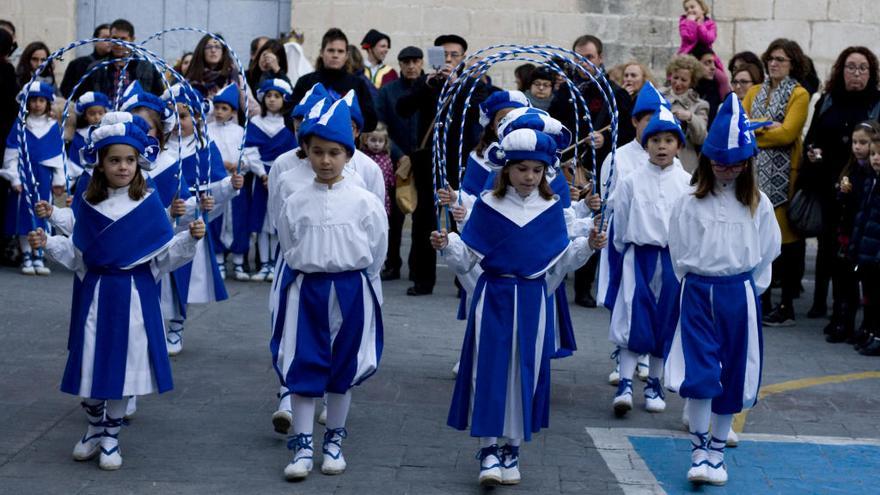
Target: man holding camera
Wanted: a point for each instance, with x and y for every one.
(422, 99)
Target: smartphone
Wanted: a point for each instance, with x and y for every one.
(436, 57)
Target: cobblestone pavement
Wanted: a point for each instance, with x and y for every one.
(212, 433)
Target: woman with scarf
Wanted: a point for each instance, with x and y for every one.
(780, 99)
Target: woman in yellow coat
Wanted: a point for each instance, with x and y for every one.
(783, 101)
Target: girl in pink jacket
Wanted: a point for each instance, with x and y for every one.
(696, 28)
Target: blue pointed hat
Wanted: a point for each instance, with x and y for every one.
(649, 100)
(134, 97)
(500, 100)
(38, 89)
(91, 99)
(731, 138)
(354, 107)
(535, 119)
(334, 124)
(121, 128)
(663, 121)
(279, 85)
(313, 95)
(189, 96)
(525, 144)
(230, 95)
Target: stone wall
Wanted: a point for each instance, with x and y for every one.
(643, 29)
(50, 21)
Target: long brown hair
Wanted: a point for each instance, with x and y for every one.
(487, 137)
(835, 81)
(502, 180)
(746, 186)
(198, 65)
(24, 72)
(97, 190)
(800, 66)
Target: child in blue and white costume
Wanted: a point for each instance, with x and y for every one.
(89, 109)
(227, 134)
(723, 239)
(200, 166)
(121, 244)
(646, 306)
(517, 233)
(43, 171)
(328, 334)
(267, 137)
(629, 158)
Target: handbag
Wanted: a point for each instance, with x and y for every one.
(805, 213)
(405, 188)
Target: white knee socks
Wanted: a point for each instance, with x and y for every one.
(303, 414)
(113, 423)
(628, 362)
(337, 409)
(263, 247)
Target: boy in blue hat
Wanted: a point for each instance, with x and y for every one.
(723, 239)
(327, 334)
(629, 158)
(645, 308)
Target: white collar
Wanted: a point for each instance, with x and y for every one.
(39, 125)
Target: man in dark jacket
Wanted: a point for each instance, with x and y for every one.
(107, 80)
(78, 67)
(422, 99)
(404, 134)
(590, 47)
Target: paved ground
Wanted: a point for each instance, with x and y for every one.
(212, 434)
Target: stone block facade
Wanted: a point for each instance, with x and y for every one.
(643, 29)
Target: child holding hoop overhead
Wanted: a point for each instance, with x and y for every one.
(122, 242)
(517, 233)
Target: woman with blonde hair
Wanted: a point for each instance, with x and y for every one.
(682, 75)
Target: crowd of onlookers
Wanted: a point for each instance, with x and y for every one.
(815, 160)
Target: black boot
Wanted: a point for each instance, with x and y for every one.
(840, 333)
(872, 347)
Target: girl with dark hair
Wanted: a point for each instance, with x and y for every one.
(270, 62)
(782, 102)
(212, 67)
(332, 70)
(723, 238)
(851, 96)
(33, 55)
(121, 244)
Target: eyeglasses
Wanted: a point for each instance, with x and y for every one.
(856, 69)
(778, 60)
(741, 82)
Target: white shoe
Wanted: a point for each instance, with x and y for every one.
(614, 376)
(281, 421)
(623, 400)
(490, 466)
(642, 368)
(654, 400)
(334, 462)
(174, 341)
(510, 474)
(263, 274)
(131, 408)
(240, 274)
(455, 368)
(27, 268)
(716, 474)
(40, 268)
(698, 472)
(301, 464)
(271, 276)
(111, 459)
(88, 447)
(732, 439)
